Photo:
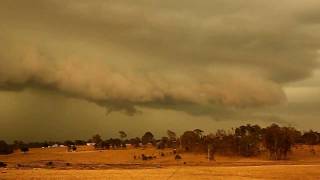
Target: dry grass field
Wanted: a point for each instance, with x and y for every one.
(88, 163)
(304, 172)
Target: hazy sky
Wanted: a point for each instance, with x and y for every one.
(73, 68)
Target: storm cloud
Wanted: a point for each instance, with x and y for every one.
(197, 57)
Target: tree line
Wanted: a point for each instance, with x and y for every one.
(246, 140)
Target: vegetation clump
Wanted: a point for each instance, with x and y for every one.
(246, 140)
(3, 165)
(5, 148)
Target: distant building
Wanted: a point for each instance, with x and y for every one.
(91, 144)
(55, 145)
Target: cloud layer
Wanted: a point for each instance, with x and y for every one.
(183, 55)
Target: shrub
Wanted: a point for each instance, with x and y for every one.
(5, 148)
(2, 164)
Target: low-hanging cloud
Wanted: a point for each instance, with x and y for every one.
(159, 54)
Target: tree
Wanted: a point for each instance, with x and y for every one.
(122, 135)
(248, 139)
(115, 143)
(135, 142)
(172, 135)
(172, 139)
(79, 142)
(17, 144)
(311, 137)
(24, 149)
(278, 141)
(96, 139)
(5, 148)
(21, 145)
(163, 143)
(147, 138)
(190, 140)
(198, 132)
(211, 142)
(68, 143)
(221, 133)
(220, 142)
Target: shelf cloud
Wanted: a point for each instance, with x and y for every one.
(181, 55)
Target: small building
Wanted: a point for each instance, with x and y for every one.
(91, 144)
(55, 145)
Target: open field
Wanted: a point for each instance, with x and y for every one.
(199, 172)
(88, 163)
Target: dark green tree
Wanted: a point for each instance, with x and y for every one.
(147, 138)
(5, 148)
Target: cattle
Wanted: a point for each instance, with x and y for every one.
(145, 157)
(177, 157)
(2, 164)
